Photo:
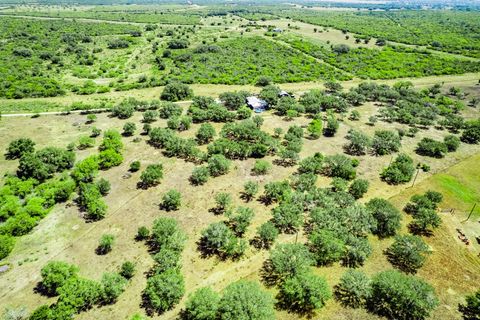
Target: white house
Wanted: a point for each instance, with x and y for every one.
(258, 105)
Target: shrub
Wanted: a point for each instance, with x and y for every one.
(471, 309)
(311, 164)
(358, 188)
(112, 140)
(17, 148)
(218, 239)
(471, 134)
(113, 285)
(134, 166)
(205, 133)
(55, 274)
(431, 148)
(129, 129)
(95, 132)
(85, 142)
(358, 249)
(234, 100)
(142, 233)
(127, 270)
(103, 186)
(385, 142)
(398, 296)
(106, 243)
(123, 110)
(171, 200)
(263, 81)
(109, 158)
(244, 112)
(359, 143)
(245, 300)
(150, 116)
(223, 201)
(152, 175)
(200, 175)
(169, 109)
(250, 189)
(202, 305)
(304, 292)
(261, 167)
(399, 171)
(176, 92)
(339, 166)
(315, 128)
(332, 126)
(451, 142)
(353, 290)
(7, 243)
(408, 253)
(218, 165)
(386, 215)
(166, 259)
(288, 216)
(164, 290)
(240, 220)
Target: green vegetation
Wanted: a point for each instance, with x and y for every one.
(243, 60)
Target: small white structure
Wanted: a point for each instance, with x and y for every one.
(283, 93)
(277, 30)
(258, 105)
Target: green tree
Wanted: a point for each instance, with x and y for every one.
(176, 92)
(471, 309)
(250, 189)
(408, 253)
(289, 259)
(386, 215)
(55, 274)
(152, 175)
(358, 188)
(109, 158)
(358, 144)
(315, 128)
(202, 305)
(103, 186)
(7, 243)
(261, 167)
(304, 293)
(17, 148)
(86, 170)
(425, 220)
(400, 171)
(451, 142)
(354, 289)
(326, 246)
(244, 300)
(113, 285)
(399, 296)
(385, 142)
(240, 220)
(218, 165)
(205, 133)
(166, 234)
(200, 175)
(164, 290)
(266, 235)
(129, 129)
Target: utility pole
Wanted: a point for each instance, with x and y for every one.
(471, 211)
(418, 171)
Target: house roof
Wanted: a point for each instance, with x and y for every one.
(255, 102)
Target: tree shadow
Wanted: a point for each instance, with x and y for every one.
(419, 231)
(268, 275)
